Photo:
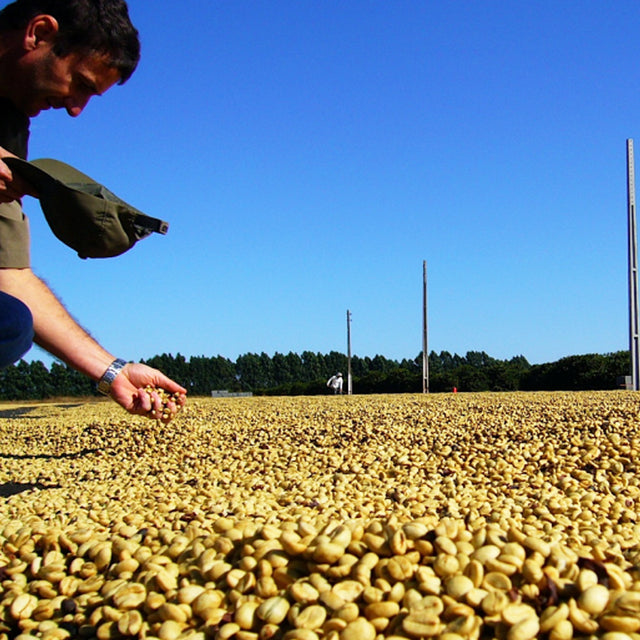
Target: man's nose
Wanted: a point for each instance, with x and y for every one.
(76, 105)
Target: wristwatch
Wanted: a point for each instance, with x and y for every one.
(104, 384)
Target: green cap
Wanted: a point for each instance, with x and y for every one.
(81, 212)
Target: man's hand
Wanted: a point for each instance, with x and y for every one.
(12, 187)
(59, 334)
(129, 391)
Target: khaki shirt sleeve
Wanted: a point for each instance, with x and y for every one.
(14, 237)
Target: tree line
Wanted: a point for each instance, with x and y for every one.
(307, 373)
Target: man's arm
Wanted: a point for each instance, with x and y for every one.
(59, 334)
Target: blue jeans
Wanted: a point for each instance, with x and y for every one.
(16, 329)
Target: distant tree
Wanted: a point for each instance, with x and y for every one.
(312, 366)
(266, 375)
(253, 371)
(62, 380)
(470, 378)
(286, 369)
(366, 366)
(504, 377)
(442, 382)
(280, 373)
(67, 382)
(447, 361)
(15, 382)
(519, 361)
(208, 374)
(412, 365)
(380, 363)
(40, 380)
(479, 359)
(575, 373)
(360, 366)
(618, 365)
(335, 362)
(373, 382)
(403, 381)
(295, 367)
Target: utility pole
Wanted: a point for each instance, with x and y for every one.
(425, 346)
(349, 389)
(633, 268)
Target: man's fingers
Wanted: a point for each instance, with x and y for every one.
(13, 189)
(143, 401)
(157, 404)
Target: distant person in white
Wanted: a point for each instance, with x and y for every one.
(335, 383)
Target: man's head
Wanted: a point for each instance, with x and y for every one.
(63, 52)
(84, 26)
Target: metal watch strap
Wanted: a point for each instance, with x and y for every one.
(104, 384)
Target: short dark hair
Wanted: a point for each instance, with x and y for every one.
(96, 26)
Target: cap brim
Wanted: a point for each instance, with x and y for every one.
(82, 213)
(34, 175)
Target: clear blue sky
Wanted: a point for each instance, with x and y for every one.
(309, 155)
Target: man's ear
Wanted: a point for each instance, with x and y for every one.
(40, 29)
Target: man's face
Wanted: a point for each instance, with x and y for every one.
(47, 81)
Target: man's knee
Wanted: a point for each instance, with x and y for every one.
(16, 329)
